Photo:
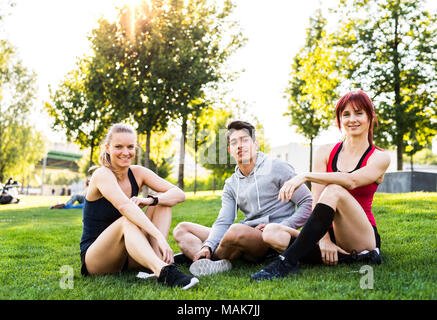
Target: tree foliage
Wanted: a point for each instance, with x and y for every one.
(81, 108)
(392, 48)
(213, 153)
(160, 56)
(21, 146)
(149, 66)
(313, 84)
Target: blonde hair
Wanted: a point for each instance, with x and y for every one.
(104, 158)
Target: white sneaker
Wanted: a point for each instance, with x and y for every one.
(205, 267)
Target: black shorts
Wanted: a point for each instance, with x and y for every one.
(84, 270)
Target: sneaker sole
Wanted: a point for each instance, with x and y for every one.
(205, 267)
(193, 282)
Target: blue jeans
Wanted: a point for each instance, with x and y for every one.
(75, 197)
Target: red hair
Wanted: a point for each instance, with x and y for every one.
(359, 101)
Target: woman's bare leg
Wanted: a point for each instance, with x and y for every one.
(160, 216)
(352, 229)
(122, 238)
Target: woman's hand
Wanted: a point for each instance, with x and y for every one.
(289, 187)
(142, 202)
(330, 251)
(166, 251)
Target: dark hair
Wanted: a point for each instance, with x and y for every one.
(359, 101)
(240, 125)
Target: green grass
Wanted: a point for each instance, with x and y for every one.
(36, 242)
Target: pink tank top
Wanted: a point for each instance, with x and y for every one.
(364, 194)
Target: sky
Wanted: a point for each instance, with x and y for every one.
(51, 34)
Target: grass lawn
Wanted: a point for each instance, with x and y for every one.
(35, 243)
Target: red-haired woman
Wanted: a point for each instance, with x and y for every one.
(345, 178)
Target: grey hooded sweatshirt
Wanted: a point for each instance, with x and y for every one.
(257, 197)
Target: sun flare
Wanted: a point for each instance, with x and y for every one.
(110, 8)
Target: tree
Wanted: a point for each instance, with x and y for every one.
(199, 124)
(21, 149)
(392, 46)
(312, 88)
(132, 54)
(80, 107)
(213, 154)
(161, 151)
(158, 57)
(202, 38)
(17, 136)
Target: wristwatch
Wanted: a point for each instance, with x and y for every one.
(155, 200)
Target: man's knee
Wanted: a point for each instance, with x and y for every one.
(235, 234)
(270, 232)
(180, 230)
(274, 235)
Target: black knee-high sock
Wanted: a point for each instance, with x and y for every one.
(314, 229)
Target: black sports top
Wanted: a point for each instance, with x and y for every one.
(100, 214)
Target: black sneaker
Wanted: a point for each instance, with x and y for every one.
(171, 276)
(270, 256)
(371, 257)
(277, 269)
(181, 259)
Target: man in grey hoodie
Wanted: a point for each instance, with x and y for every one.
(254, 189)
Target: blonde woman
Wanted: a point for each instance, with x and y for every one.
(117, 234)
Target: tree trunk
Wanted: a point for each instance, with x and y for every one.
(311, 155)
(397, 91)
(91, 154)
(139, 154)
(2, 167)
(399, 148)
(195, 156)
(182, 153)
(308, 183)
(145, 191)
(147, 153)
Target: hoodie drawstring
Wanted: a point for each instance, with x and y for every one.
(236, 202)
(257, 191)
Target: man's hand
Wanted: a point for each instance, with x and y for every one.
(204, 253)
(261, 226)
